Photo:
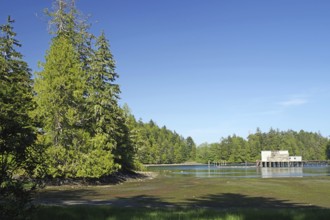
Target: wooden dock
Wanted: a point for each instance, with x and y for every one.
(293, 164)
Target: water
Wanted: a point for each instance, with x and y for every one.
(205, 171)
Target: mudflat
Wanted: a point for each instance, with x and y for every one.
(160, 191)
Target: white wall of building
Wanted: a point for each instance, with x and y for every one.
(295, 158)
(265, 155)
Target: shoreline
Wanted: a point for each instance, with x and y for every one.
(229, 165)
(174, 164)
(113, 179)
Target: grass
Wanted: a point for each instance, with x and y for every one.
(110, 213)
(180, 197)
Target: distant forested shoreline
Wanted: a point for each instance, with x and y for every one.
(309, 145)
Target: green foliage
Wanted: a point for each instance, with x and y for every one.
(157, 145)
(97, 163)
(60, 101)
(85, 132)
(108, 120)
(16, 200)
(203, 153)
(328, 151)
(17, 133)
(191, 148)
(60, 89)
(311, 146)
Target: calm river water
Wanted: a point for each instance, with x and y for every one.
(205, 171)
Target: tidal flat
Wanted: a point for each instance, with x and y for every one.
(167, 196)
(192, 192)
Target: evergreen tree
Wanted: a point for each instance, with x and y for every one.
(109, 122)
(63, 20)
(60, 88)
(161, 145)
(102, 93)
(203, 154)
(66, 20)
(17, 134)
(191, 148)
(86, 131)
(327, 151)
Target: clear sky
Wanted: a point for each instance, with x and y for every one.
(207, 68)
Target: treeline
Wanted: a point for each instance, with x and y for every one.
(309, 145)
(159, 145)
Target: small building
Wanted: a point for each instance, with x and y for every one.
(279, 159)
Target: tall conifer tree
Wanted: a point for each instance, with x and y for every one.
(85, 129)
(17, 133)
(109, 123)
(60, 90)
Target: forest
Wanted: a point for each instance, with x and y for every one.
(66, 121)
(309, 145)
(68, 112)
(162, 146)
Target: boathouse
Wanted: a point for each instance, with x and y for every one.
(280, 159)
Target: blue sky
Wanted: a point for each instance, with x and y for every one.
(207, 68)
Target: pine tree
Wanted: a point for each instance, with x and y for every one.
(191, 148)
(102, 92)
(109, 122)
(64, 98)
(102, 112)
(66, 20)
(60, 88)
(17, 134)
(84, 128)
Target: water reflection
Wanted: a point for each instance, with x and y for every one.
(205, 171)
(267, 172)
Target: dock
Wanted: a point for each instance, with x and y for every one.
(279, 159)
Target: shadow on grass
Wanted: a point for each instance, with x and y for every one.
(113, 179)
(232, 200)
(65, 197)
(79, 197)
